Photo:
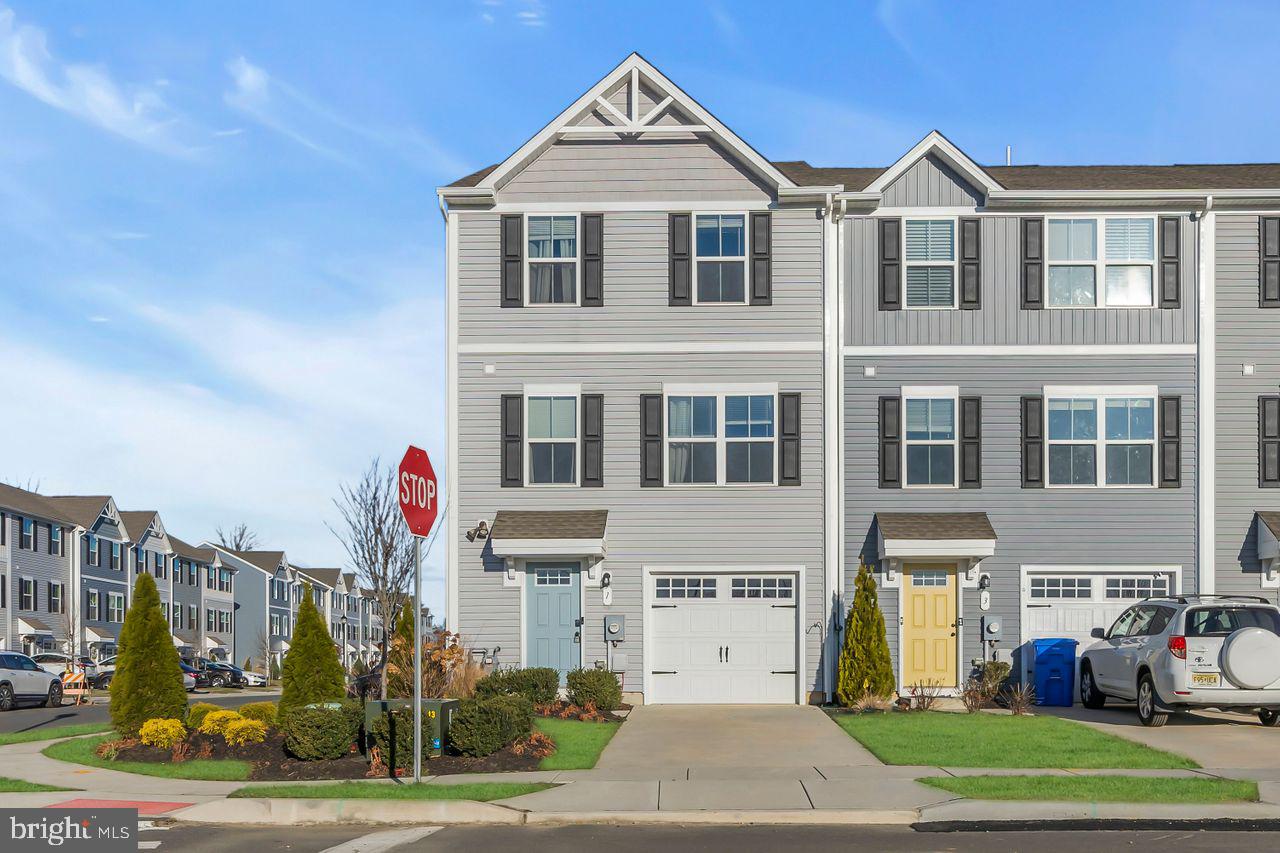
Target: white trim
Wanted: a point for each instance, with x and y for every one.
(1100, 394)
(646, 600)
(1206, 403)
(452, 586)
(588, 206)
(937, 144)
(553, 391)
(833, 431)
(1021, 349)
(572, 549)
(721, 439)
(1100, 262)
(926, 393)
(906, 550)
(506, 347)
(694, 257)
(529, 262)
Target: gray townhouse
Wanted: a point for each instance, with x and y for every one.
(150, 552)
(190, 563)
(37, 546)
(693, 390)
(258, 618)
(102, 571)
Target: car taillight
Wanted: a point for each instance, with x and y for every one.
(1178, 646)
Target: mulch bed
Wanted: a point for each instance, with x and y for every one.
(566, 711)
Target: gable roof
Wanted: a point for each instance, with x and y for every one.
(138, 521)
(84, 510)
(268, 561)
(935, 525)
(934, 143)
(30, 503)
(326, 577)
(186, 550)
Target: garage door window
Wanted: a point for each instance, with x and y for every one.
(1061, 587)
(761, 588)
(552, 577)
(1135, 588)
(685, 588)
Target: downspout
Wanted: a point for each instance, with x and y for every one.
(1206, 400)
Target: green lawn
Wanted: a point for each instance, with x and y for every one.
(480, 791)
(17, 786)
(80, 751)
(1098, 789)
(53, 732)
(578, 743)
(998, 740)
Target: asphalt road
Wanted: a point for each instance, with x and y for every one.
(687, 839)
(25, 719)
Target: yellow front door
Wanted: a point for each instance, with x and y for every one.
(929, 626)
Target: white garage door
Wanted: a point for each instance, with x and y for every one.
(721, 638)
(1062, 603)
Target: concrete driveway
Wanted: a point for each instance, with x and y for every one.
(1210, 738)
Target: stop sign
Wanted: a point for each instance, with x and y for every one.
(418, 491)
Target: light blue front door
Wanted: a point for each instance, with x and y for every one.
(553, 602)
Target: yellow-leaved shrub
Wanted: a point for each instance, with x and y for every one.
(216, 722)
(242, 731)
(162, 733)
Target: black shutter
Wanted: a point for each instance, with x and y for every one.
(1170, 262)
(890, 443)
(761, 259)
(512, 440)
(789, 439)
(970, 442)
(651, 440)
(592, 440)
(512, 260)
(592, 260)
(1031, 268)
(1269, 442)
(1033, 442)
(679, 264)
(889, 247)
(1170, 442)
(1269, 261)
(970, 264)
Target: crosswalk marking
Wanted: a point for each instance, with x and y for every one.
(376, 842)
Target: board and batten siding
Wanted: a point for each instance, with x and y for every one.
(929, 182)
(1086, 527)
(654, 527)
(1001, 319)
(636, 294)
(1245, 334)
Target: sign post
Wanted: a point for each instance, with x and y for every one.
(418, 490)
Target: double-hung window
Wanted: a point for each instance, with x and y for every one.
(1122, 262)
(553, 260)
(55, 540)
(720, 257)
(95, 549)
(92, 605)
(26, 594)
(930, 445)
(553, 438)
(56, 602)
(717, 437)
(27, 538)
(930, 261)
(115, 556)
(115, 607)
(1101, 437)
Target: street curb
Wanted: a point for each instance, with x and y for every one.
(1103, 824)
(300, 812)
(819, 817)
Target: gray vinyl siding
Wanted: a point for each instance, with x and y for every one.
(44, 568)
(931, 183)
(151, 546)
(636, 296)
(618, 171)
(654, 527)
(251, 624)
(1088, 527)
(185, 594)
(1246, 334)
(106, 533)
(1001, 319)
(103, 624)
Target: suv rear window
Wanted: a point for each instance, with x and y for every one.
(1221, 621)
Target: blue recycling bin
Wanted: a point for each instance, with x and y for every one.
(1055, 671)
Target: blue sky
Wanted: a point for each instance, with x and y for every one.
(222, 276)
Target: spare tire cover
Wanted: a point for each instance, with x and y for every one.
(1251, 658)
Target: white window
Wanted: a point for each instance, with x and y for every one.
(684, 588)
(930, 443)
(92, 605)
(115, 556)
(56, 602)
(115, 607)
(26, 594)
(760, 587)
(95, 549)
(552, 428)
(721, 436)
(553, 260)
(720, 258)
(1101, 438)
(1064, 587)
(27, 540)
(929, 577)
(1124, 264)
(1148, 587)
(55, 540)
(552, 577)
(930, 261)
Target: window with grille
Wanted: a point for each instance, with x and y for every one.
(929, 577)
(1065, 587)
(761, 587)
(930, 263)
(552, 577)
(1137, 587)
(720, 250)
(677, 587)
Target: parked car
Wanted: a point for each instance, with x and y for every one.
(1185, 652)
(200, 676)
(107, 669)
(22, 680)
(254, 679)
(224, 674)
(58, 663)
(188, 681)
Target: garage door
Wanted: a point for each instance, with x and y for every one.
(1061, 603)
(722, 638)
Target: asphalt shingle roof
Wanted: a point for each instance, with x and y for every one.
(935, 525)
(555, 524)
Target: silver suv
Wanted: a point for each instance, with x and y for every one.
(1184, 652)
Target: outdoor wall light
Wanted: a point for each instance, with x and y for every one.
(480, 531)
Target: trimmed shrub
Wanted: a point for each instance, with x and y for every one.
(312, 672)
(537, 684)
(320, 733)
(216, 722)
(263, 712)
(864, 665)
(197, 713)
(162, 733)
(402, 754)
(598, 687)
(243, 731)
(484, 726)
(147, 684)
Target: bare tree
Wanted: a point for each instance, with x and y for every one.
(238, 538)
(378, 543)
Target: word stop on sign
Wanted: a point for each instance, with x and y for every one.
(417, 491)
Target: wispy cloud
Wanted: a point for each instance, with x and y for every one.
(87, 92)
(534, 14)
(726, 26)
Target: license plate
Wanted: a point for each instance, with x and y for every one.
(1204, 679)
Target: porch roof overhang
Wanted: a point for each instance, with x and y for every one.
(184, 638)
(935, 535)
(1269, 547)
(279, 644)
(29, 626)
(556, 533)
(97, 635)
(214, 643)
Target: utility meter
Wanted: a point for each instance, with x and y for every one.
(615, 628)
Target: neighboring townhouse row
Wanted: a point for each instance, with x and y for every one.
(692, 390)
(68, 565)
